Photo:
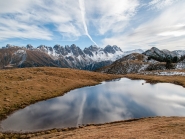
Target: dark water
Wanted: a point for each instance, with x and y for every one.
(109, 101)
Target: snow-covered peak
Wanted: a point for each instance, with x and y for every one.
(112, 49)
(29, 47)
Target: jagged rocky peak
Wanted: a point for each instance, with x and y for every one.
(29, 47)
(42, 47)
(117, 48)
(73, 46)
(9, 46)
(68, 49)
(89, 51)
(93, 48)
(76, 50)
(60, 49)
(111, 49)
(45, 48)
(57, 47)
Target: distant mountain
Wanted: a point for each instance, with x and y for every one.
(153, 59)
(132, 63)
(91, 58)
(164, 55)
(19, 57)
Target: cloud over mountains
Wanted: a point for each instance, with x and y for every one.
(128, 24)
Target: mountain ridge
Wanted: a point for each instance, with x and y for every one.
(90, 58)
(152, 59)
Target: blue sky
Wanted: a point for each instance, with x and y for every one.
(129, 24)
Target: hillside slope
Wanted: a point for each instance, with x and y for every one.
(21, 87)
(133, 63)
(139, 63)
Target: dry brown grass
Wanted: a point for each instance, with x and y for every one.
(21, 87)
(179, 80)
(146, 128)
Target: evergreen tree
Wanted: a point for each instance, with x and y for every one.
(175, 59)
(169, 64)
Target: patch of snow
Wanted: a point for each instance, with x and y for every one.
(171, 73)
(22, 54)
(23, 59)
(181, 65)
(20, 51)
(152, 61)
(144, 67)
(164, 73)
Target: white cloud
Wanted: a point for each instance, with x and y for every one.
(110, 15)
(172, 33)
(159, 4)
(128, 24)
(34, 15)
(70, 18)
(10, 6)
(13, 29)
(166, 31)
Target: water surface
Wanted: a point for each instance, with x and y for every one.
(110, 101)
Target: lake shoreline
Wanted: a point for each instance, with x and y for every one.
(178, 80)
(168, 124)
(94, 80)
(88, 79)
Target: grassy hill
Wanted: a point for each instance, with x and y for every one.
(21, 87)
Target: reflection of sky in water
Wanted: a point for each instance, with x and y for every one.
(109, 101)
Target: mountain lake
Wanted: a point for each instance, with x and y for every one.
(109, 101)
